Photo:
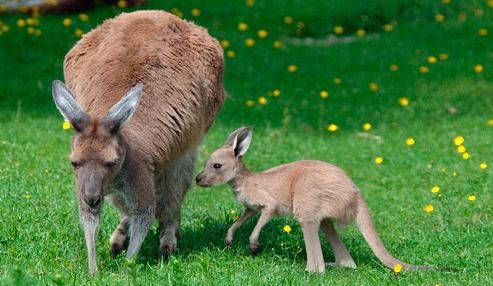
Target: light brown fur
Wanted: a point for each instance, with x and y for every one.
(144, 166)
(316, 193)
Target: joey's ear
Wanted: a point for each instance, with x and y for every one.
(68, 106)
(123, 110)
(240, 140)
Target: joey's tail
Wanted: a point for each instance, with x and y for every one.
(365, 225)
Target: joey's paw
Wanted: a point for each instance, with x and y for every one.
(255, 248)
(115, 249)
(228, 242)
(165, 251)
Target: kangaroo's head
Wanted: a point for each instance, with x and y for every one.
(97, 148)
(224, 164)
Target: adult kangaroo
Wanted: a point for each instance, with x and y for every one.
(141, 91)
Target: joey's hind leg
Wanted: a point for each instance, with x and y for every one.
(171, 190)
(342, 256)
(314, 256)
(120, 234)
(265, 215)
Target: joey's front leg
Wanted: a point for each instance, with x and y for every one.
(231, 231)
(265, 216)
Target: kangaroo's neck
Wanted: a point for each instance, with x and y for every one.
(241, 176)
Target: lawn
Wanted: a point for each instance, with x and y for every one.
(390, 107)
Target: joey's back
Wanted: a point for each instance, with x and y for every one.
(179, 65)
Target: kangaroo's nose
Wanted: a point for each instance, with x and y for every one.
(92, 201)
(198, 179)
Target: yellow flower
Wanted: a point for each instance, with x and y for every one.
(232, 211)
(230, 54)
(483, 166)
(66, 125)
(31, 22)
(262, 100)
(466, 156)
(338, 81)
(490, 3)
(287, 228)
(31, 30)
(276, 92)
(394, 67)
(471, 198)
(435, 189)
(250, 103)
(378, 160)
(410, 141)
(300, 25)
(324, 94)
(423, 69)
(403, 101)
(461, 149)
(446, 1)
(277, 44)
(360, 33)
(262, 34)
(38, 32)
(83, 17)
(373, 86)
(332, 127)
(366, 126)
(27, 196)
(21, 23)
(288, 20)
(250, 3)
(175, 11)
(195, 12)
(439, 18)
(388, 27)
(5, 28)
(458, 140)
(431, 60)
(428, 208)
(225, 44)
(454, 174)
(123, 4)
(490, 122)
(292, 68)
(443, 57)
(78, 32)
(250, 42)
(397, 268)
(338, 30)
(242, 26)
(478, 68)
(482, 32)
(67, 22)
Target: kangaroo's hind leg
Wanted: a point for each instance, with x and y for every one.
(343, 258)
(314, 256)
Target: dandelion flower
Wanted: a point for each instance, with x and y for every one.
(31, 30)
(431, 59)
(367, 126)
(324, 94)
(388, 27)
(360, 33)
(78, 32)
(288, 20)
(403, 101)
(195, 12)
(83, 17)
(31, 22)
(67, 22)
(378, 160)
(332, 127)
(483, 166)
(435, 189)
(461, 149)
(276, 92)
(5, 28)
(466, 156)
(250, 103)
(249, 42)
(262, 100)
(338, 30)
(262, 34)
(478, 68)
(66, 125)
(338, 81)
(410, 141)
(292, 68)
(21, 23)
(471, 198)
(122, 4)
(277, 44)
(175, 11)
(446, 1)
(490, 122)
(230, 54)
(27, 196)
(458, 140)
(232, 211)
(428, 208)
(250, 3)
(439, 18)
(482, 32)
(225, 44)
(373, 86)
(397, 268)
(443, 56)
(287, 229)
(423, 69)
(394, 67)
(242, 26)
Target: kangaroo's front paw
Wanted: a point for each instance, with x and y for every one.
(255, 248)
(115, 249)
(228, 242)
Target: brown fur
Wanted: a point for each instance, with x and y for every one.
(180, 68)
(316, 193)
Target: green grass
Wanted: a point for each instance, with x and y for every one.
(42, 242)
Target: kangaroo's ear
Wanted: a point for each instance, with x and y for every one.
(123, 110)
(240, 140)
(68, 106)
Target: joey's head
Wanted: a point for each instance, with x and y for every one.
(98, 152)
(224, 164)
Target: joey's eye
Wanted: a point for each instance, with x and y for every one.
(75, 165)
(110, 165)
(217, 166)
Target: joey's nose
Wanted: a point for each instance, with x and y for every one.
(93, 201)
(198, 179)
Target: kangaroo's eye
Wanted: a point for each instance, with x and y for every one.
(75, 165)
(110, 165)
(217, 166)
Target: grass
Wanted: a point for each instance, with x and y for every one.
(42, 242)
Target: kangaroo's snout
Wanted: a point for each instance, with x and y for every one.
(93, 201)
(199, 180)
